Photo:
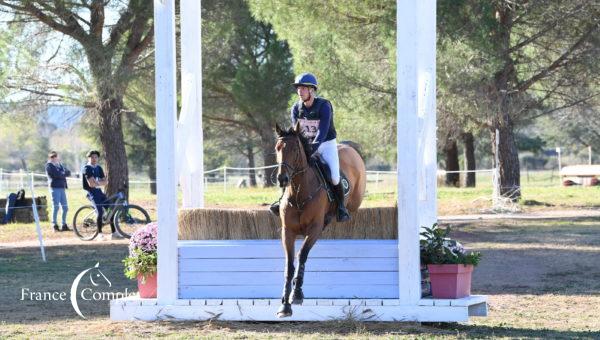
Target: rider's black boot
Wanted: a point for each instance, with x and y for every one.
(342, 213)
(274, 209)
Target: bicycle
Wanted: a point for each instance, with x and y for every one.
(121, 215)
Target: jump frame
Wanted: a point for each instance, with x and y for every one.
(390, 293)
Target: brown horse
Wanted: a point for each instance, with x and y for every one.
(305, 207)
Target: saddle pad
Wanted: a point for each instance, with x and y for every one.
(324, 174)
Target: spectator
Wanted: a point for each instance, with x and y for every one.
(57, 181)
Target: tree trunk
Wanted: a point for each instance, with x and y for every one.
(111, 137)
(251, 164)
(510, 172)
(152, 174)
(269, 157)
(451, 151)
(504, 98)
(469, 153)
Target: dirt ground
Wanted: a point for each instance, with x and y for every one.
(541, 276)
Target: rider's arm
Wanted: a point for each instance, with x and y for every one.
(324, 123)
(294, 114)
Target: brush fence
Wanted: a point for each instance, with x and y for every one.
(238, 224)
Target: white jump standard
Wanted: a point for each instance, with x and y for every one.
(376, 280)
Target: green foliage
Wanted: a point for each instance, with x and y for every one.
(351, 47)
(140, 263)
(533, 144)
(437, 248)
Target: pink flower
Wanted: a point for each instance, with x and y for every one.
(144, 238)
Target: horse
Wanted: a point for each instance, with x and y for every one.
(305, 207)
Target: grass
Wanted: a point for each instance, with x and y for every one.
(540, 191)
(542, 280)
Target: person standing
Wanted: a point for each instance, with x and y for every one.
(57, 181)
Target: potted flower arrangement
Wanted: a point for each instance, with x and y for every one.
(141, 262)
(449, 264)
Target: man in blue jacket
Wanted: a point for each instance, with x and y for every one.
(57, 181)
(93, 179)
(315, 115)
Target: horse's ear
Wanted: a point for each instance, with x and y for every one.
(297, 127)
(278, 129)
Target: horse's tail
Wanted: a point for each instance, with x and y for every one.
(355, 146)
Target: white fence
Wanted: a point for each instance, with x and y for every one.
(226, 178)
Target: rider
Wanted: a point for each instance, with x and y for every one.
(93, 179)
(315, 115)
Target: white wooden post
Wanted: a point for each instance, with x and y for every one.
(1, 173)
(164, 18)
(191, 148)
(426, 51)
(559, 161)
(36, 218)
(408, 25)
(589, 154)
(224, 179)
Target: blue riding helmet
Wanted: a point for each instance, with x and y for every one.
(306, 79)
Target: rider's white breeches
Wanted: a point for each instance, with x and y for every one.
(329, 152)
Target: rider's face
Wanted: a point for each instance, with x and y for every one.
(303, 92)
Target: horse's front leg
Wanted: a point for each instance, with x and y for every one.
(309, 241)
(287, 238)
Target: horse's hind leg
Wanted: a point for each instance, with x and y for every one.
(309, 241)
(287, 238)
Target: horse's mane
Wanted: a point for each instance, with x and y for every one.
(303, 140)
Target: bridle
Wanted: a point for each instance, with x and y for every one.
(293, 170)
(297, 171)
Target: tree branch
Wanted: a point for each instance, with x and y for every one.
(560, 61)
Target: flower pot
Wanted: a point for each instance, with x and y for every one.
(450, 281)
(147, 288)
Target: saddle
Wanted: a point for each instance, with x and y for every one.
(324, 174)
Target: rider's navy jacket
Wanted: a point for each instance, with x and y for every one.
(316, 121)
(91, 171)
(57, 175)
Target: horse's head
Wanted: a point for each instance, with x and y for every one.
(291, 157)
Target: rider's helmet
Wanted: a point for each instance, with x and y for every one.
(306, 79)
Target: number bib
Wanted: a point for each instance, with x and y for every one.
(309, 127)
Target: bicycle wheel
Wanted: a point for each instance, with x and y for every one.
(84, 223)
(128, 219)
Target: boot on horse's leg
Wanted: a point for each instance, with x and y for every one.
(274, 208)
(342, 213)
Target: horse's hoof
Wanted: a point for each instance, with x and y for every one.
(297, 297)
(284, 311)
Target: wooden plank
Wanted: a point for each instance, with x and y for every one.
(276, 264)
(272, 249)
(274, 292)
(469, 300)
(301, 313)
(441, 302)
(266, 278)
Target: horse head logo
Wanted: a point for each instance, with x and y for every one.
(96, 277)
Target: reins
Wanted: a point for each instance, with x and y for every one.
(294, 173)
